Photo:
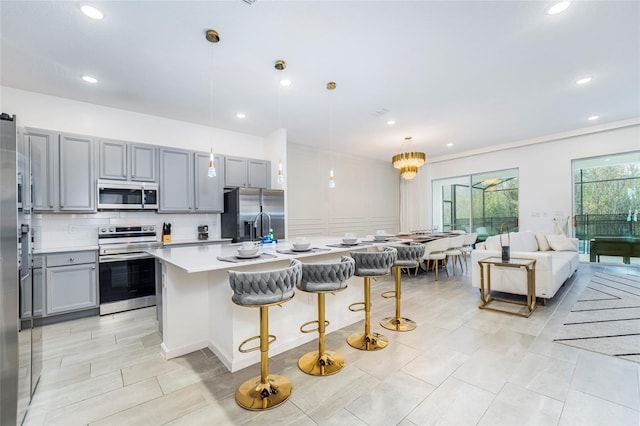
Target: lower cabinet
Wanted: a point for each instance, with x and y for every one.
(63, 283)
(71, 288)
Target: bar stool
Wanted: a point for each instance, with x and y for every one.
(261, 290)
(322, 279)
(370, 264)
(409, 256)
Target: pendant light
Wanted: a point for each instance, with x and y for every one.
(331, 86)
(280, 179)
(408, 162)
(212, 36)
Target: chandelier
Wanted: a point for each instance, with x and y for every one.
(408, 162)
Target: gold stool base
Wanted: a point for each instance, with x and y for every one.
(254, 395)
(371, 342)
(312, 363)
(400, 324)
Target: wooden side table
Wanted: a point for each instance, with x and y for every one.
(528, 265)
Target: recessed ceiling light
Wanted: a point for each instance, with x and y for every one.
(92, 12)
(584, 80)
(558, 7)
(449, 144)
(285, 83)
(241, 115)
(593, 117)
(391, 122)
(89, 79)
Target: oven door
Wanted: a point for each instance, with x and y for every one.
(126, 281)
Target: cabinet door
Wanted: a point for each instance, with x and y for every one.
(235, 171)
(113, 160)
(258, 173)
(43, 148)
(38, 292)
(143, 162)
(71, 288)
(77, 174)
(209, 191)
(176, 180)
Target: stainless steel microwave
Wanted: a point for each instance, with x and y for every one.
(117, 195)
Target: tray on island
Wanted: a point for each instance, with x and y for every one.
(237, 259)
(309, 250)
(342, 245)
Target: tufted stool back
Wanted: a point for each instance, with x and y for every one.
(369, 264)
(317, 277)
(264, 288)
(409, 255)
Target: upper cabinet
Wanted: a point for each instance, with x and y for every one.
(176, 180)
(77, 174)
(63, 172)
(43, 149)
(127, 161)
(209, 191)
(185, 186)
(247, 172)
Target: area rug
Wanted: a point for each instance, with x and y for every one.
(606, 317)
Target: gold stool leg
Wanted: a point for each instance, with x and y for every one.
(398, 323)
(264, 391)
(321, 362)
(368, 341)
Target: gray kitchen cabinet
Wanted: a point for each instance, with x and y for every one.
(112, 159)
(38, 292)
(71, 282)
(119, 160)
(143, 162)
(247, 172)
(176, 181)
(209, 191)
(43, 148)
(77, 174)
(258, 173)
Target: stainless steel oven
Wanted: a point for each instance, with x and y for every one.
(126, 277)
(117, 195)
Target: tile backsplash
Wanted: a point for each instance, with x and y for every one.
(53, 231)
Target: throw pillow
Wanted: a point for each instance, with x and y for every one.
(522, 241)
(493, 243)
(560, 243)
(543, 244)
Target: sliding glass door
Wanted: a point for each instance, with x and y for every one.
(477, 203)
(606, 197)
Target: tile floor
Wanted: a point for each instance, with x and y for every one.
(461, 366)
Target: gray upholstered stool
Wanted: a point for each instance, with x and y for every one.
(409, 256)
(322, 278)
(370, 264)
(261, 290)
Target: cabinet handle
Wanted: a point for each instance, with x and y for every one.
(51, 205)
(71, 259)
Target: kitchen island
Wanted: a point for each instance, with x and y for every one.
(197, 311)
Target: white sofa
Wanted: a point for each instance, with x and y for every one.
(556, 260)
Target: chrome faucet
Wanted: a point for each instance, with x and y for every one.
(255, 222)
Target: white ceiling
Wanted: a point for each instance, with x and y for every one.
(471, 73)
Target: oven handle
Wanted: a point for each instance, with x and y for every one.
(122, 257)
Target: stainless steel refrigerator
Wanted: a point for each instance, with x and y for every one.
(20, 338)
(250, 212)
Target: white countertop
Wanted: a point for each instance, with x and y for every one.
(204, 257)
(63, 249)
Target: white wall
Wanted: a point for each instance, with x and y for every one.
(545, 170)
(366, 197)
(65, 115)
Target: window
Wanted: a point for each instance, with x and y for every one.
(477, 203)
(606, 197)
